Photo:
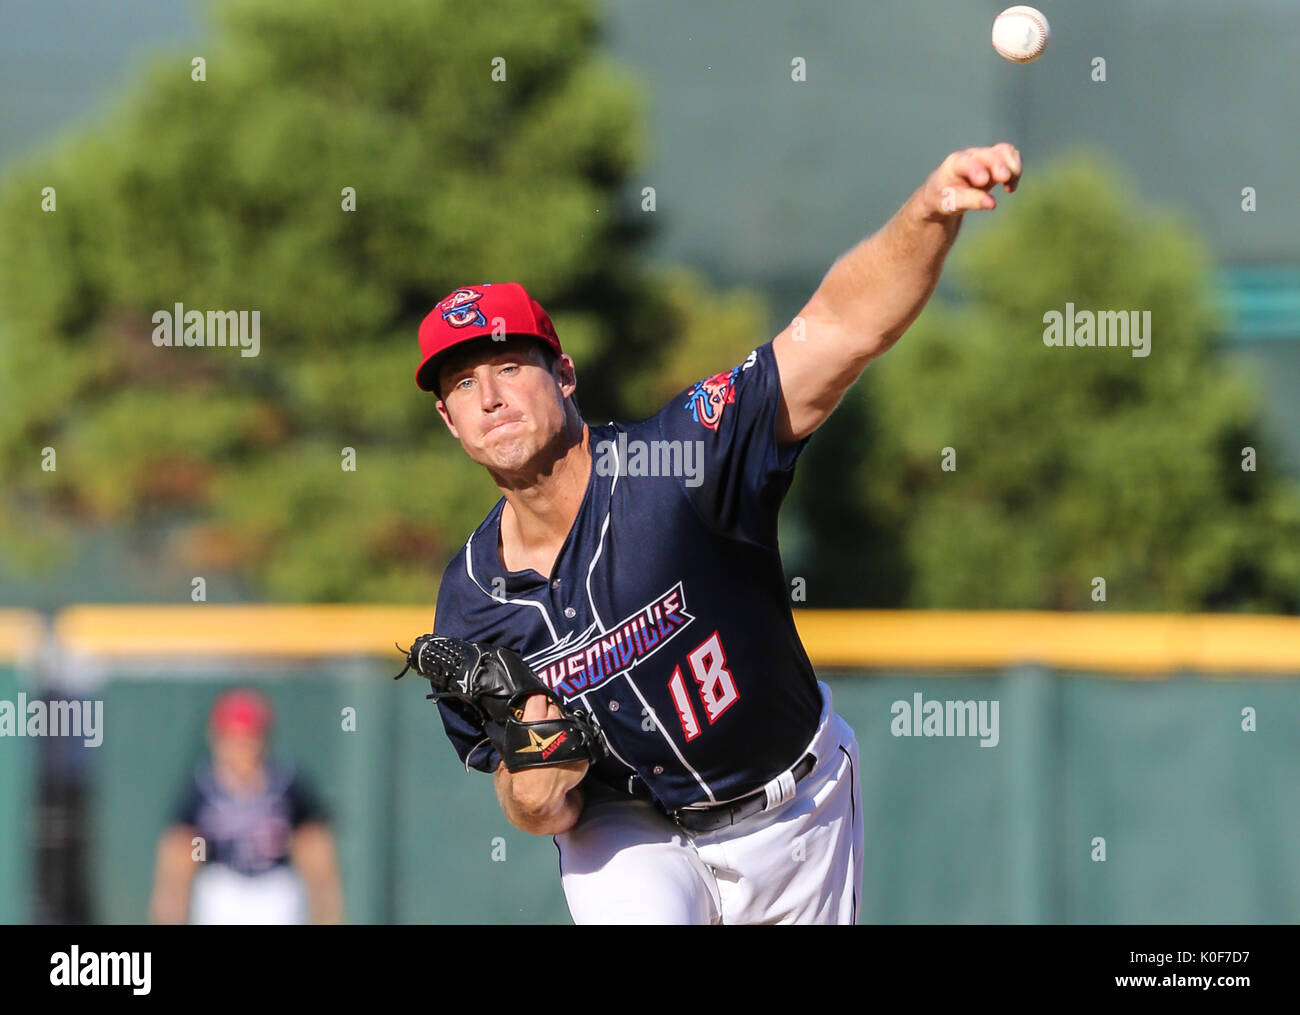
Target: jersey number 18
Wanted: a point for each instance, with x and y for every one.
(717, 687)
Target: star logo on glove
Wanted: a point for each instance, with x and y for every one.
(536, 743)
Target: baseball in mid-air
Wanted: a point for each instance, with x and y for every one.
(1020, 34)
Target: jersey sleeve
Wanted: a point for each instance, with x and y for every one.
(744, 473)
(188, 802)
(304, 805)
(466, 735)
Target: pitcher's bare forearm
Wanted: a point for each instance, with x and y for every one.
(545, 800)
(877, 289)
(541, 801)
(873, 293)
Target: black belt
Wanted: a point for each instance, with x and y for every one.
(710, 819)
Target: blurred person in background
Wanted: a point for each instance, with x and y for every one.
(267, 853)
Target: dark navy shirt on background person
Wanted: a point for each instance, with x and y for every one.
(249, 834)
(667, 615)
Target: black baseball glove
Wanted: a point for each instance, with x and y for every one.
(489, 685)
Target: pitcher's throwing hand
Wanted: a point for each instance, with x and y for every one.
(964, 181)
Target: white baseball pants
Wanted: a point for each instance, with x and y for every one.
(624, 862)
(224, 896)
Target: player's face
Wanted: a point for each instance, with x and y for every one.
(503, 404)
(239, 753)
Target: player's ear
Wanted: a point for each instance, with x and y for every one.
(565, 374)
(446, 418)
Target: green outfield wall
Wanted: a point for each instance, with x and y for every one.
(1200, 819)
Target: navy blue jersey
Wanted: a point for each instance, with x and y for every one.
(667, 615)
(248, 833)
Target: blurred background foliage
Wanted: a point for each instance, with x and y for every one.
(1072, 463)
(227, 194)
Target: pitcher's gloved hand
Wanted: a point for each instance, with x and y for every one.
(491, 684)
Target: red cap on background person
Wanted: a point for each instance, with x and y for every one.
(242, 711)
(470, 312)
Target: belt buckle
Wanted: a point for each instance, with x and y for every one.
(677, 819)
(702, 812)
(720, 816)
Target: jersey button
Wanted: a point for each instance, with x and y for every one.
(569, 611)
(659, 769)
(613, 706)
(555, 584)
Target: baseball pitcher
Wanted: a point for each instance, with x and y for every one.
(615, 644)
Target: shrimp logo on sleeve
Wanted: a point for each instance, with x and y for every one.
(709, 397)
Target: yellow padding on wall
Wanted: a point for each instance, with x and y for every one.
(1135, 644)
(262, 631)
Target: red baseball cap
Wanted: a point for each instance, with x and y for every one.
(242, 711)
(501, 308)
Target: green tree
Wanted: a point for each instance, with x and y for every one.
(1072, 463)
(485, 141)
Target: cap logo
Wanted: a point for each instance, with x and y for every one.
(460, 309)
